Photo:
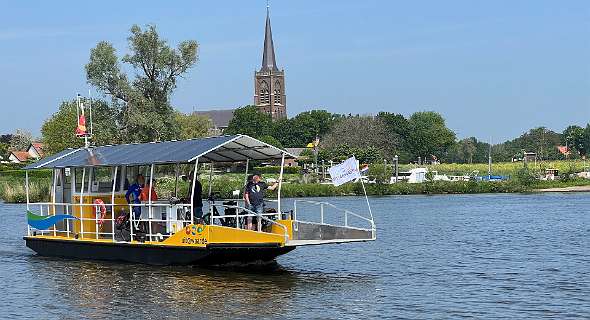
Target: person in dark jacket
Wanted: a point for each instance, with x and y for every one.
(133, 195)
(254, 196)
(197, 197)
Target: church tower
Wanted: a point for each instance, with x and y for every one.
(269, 81)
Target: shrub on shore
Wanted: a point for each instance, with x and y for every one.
(13, 190)
(16, 192)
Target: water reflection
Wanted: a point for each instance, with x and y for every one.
(97, 289)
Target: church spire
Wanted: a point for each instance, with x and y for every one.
(268, 55)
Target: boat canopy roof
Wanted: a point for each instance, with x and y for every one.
(229, 148)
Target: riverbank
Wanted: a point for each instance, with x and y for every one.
(567, 189)
(12, 188)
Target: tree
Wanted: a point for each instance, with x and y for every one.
(5, 138)
(428, 135)
(468, 150)
(573, 137)
(360, 133)
(145, 113)
(193, 125)
(4, 150)
(21, 140)
(304, 127)
(540, 140)
(396, 123)
(271, 140)
(250, 121)
(58, 132)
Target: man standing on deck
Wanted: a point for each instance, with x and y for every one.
(135, 192)
(254, 196)
(197, 198)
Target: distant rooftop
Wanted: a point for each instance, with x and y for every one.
(220, 117)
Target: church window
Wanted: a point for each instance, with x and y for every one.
(264, 93)
(277, 93)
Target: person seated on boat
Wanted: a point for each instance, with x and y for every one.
(254, 196)
(133, 195)
(144, 196)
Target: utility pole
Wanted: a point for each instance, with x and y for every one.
(490, 161)
(395, 166)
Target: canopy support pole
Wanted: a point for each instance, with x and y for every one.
(245, 182)
(280, 185)
(193, 190)
(81, 202)
(176, 171)
(210, 190)
(53, 188)
(27, 192)
(246, 174)
(115, 175)
(150, 208)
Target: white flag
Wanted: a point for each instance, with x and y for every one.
(344, 172)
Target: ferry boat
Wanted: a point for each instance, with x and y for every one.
(88, 216)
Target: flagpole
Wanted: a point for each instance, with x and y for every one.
(366, 197)
(363, 184)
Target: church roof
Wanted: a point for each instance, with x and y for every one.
(268, 55)
(220, 118)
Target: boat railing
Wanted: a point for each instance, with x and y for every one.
(344, 213)
(175, 218)
(49, 209)
(242, 212)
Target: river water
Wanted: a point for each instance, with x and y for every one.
(481, 256)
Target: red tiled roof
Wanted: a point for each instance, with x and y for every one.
(21, 155)
(39, 148)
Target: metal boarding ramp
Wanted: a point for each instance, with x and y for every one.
(318, 222)
(321, 222)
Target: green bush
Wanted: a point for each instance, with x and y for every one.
(16, 192)
(525, 177)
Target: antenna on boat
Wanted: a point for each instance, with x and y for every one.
(81, 130)
(90, 111)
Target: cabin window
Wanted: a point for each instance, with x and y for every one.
(130, 174)
(78, 176)
(102, 179)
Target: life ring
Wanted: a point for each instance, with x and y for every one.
(100, 209)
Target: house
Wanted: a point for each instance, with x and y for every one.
(296, 152)
(35, 150)
(18, 156)
(220, 119)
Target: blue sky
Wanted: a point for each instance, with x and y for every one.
(493, 69)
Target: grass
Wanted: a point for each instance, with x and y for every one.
(16, 193)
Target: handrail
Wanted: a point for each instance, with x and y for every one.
(52, 206)
(132, 219)
(251, 214)
(345, 211)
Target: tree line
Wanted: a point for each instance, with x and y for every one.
(423, 136)
(136, 107)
